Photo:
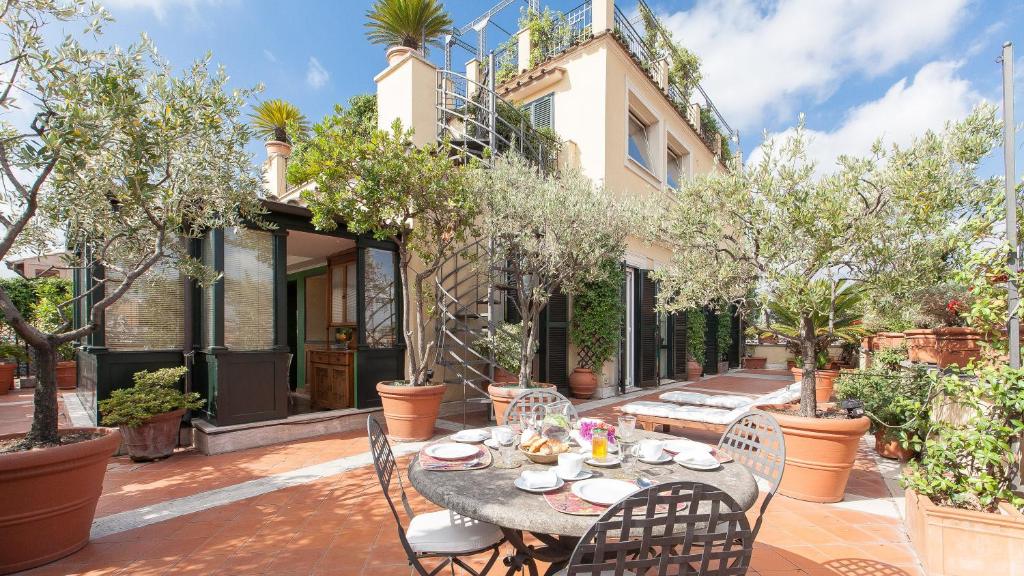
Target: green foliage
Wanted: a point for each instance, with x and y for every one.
(696, 330)
(710, 129)
(940, 305)
(597, 317)
(684, 70)
(414, 24)
(973, 463)
(890, 359)
(154, 393)
(12, 352)
(506, 344)
(278, 119)
(724, 335)
(896, 400)
(835, 314)
(22, 293)
(47, 314)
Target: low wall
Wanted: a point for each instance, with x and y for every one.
(777, 354)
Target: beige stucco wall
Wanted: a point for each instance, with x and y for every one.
(406, 91)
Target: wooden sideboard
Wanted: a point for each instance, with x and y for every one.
(330, 374)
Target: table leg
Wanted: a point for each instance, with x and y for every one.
(556, 551)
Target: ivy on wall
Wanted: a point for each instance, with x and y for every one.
(596, 317)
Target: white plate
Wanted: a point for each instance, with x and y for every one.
(451, 451)
(606, 463)
(471, 436)
(683, 445)
(665, 457)
(701, 465)
(583, 475)
(603, 491)
(519, 484)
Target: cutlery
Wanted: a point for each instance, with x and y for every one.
(469, 464)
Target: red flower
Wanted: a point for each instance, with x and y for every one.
(953, 307)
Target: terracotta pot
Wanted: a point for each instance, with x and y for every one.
(868, 343)
(824, 382)
(7, 376)
(693, 370)
(944, 346)
(819, 455)
(503, 395)
(396, 53)
(410, 411)
(155, 439)
(755, 362)
(891, 449)
(790, 364)
(278, 148)
(723, 367)
(885, 340)
(50, 499)
(502, 375)
(954, 542)
(67, 374)
(582, 382)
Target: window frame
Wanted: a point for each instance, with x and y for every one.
(632, 117)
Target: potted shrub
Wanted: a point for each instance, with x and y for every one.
(381, 184)
(696, 328)
(779, 226)
(46, 315)
(117, 160)
(724, 337)
(549, 234)
(406, 25)
(505, 346)
(941, 336)
(10, 355)
(149, 413)
(596, 320)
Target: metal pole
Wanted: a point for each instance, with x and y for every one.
(1013, 298)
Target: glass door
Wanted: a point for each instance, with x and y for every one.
(630, 339)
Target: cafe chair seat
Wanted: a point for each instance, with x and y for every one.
(445, 532)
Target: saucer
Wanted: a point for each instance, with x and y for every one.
(583, 475)
(664, 458)
(606, 463)
(519, 484)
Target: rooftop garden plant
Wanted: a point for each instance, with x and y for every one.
(896, 399)
(506, 344)
(415, 24)
(834, 310)
(279, 120)
(724, 335)
(597, 317)
(696, 329)
(154, 393)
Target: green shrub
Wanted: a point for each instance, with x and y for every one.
(12, 352)
(894, 399)
(890, 358)
(597, 317)
(696, 329)
(506, 344)
(154, 393)
(724, 334)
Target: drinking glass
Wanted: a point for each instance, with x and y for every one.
(506, 440)
(628, 453)
(627, 428)
(599, 444)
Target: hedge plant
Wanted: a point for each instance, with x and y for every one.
(724, 334)
(597, 317)
(696, 329)
(154, 393)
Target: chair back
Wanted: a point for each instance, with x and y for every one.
(387, 470)
(528, 401)
(672, 528)
(755, 440)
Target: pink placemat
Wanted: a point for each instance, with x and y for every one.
(564, 501)
(482, 459)
(721, 455)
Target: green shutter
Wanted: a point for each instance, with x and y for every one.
(541, 111)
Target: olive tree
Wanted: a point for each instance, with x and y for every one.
(110, 152)
(549, 233)
(888, 221)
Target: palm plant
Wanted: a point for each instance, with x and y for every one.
(414, 24)
(833, 318)
(274, 119)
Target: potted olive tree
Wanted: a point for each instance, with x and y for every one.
(406, 25)
(417, 198)
(550, 233)
(116, 154)
(887, 220)
(149, 413)
(506, 345)
(595, 327)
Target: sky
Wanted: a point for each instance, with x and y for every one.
(857, 69)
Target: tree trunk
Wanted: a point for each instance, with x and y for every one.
(530, 321)
(45, 416)
(808, 404)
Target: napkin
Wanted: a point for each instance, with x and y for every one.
(476, 433)
(536, 479)
(698, 457)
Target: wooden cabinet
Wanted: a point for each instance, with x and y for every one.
(331, 378)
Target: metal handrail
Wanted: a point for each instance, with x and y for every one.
(634, 42)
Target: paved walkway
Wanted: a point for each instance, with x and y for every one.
(314, 507)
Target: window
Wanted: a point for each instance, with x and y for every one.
(151, 314)
(541, 111)
(639, 142)
(379, 314)
(248, 289)
(673, 169)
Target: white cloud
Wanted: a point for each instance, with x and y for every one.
(159, 8)
(316, 74)
(935, 96)
(759, 58)
(269, 56)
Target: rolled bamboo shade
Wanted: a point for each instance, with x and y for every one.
(151, 314)
(248, 289)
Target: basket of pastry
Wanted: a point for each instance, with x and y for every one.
(543, 450)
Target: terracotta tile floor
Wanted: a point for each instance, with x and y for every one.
(16, 411)
(341, 524)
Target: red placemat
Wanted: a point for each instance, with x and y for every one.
(564, 501)
(482, 458)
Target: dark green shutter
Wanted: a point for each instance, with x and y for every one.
(711, 355)
(554, 353)
(541, 111)
(648, 337)
(678, 351)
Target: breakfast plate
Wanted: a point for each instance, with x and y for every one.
(696, 462)
(451, 451)
(606, 463)
(471, 436)
(604, 491)
(664, 458)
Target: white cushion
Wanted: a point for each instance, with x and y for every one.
(729, 401)
(684, 397)
(447, 532)
(648, 408)
(690, 413)
(785, 395)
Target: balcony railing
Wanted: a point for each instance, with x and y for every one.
(634, 41)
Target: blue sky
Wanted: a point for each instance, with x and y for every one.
(857, 69)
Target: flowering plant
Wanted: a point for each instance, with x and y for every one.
(588, 425)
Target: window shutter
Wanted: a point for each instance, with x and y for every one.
(648, 331)
(711, 355)
(554, 365)
(679, 344)
(541, 112)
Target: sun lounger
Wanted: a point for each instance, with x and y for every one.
(728, 401)
(666, 414)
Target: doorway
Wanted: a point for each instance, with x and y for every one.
(628, 370)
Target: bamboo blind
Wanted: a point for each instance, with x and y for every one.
(151, 314)
(248, 289)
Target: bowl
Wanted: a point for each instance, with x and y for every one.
(540, 458)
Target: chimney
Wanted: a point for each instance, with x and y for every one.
(275, 169)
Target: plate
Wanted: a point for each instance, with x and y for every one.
(682, 445)
(451, 451)
(583, 475)
(492, 443)
(519, 484)
(606, 463)
(665, 457)
(703, 465)
(471, 436)
(604, 491)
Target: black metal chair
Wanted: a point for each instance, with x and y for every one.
(755, 440)
(529, 401)
(686, 528)
(440, 534)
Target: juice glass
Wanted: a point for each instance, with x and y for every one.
(599, 444)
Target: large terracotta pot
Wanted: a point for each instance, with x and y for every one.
(819, 454)
(155, 439)
(67, 374)
(7, 376)
(944, 346)
(410, 411)
(755, 362)
(824, 382)
(502, 375)
(396, 53)
(582, 382)
(954, 542)
(693, 370)
(49, 498)
(503, 394)
(885, 340)
(891, 449)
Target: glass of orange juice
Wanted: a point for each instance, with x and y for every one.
(599, 444)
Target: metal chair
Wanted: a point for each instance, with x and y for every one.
(441, 534)
(755, 440)
(530, 400)
(678, 527)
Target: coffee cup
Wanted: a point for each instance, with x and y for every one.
(570, 464)
(651, 449)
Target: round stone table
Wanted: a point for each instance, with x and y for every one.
(489, 495)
